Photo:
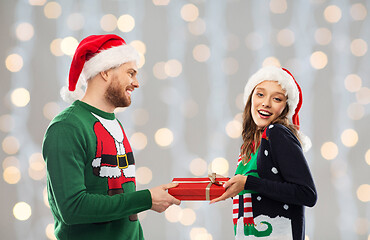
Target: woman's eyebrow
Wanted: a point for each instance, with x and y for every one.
(263, 89)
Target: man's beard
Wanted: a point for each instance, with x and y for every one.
(116, 96)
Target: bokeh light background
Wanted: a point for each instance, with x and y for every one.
(185, 119)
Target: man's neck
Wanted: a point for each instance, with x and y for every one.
(100, 104)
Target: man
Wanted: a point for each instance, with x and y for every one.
(90, 165)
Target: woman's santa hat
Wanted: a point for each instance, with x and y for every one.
(292, 91)
(94, 54)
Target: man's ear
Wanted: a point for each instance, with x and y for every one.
(105, 75)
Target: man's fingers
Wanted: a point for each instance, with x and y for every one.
(169, 185)
(176, 201)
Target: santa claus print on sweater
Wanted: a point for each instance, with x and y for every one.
(114, 158)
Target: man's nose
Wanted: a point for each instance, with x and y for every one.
(135, 83)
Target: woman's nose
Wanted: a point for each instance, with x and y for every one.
(266, 103)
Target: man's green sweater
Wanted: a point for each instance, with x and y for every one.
(91, 176)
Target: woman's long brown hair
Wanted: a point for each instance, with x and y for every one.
(252, 134)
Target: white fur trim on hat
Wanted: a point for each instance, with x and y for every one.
(77, 94)
(110, 58)
(283, 78)
(305, 141)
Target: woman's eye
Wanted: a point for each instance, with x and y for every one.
(259, 94)
(277, 99)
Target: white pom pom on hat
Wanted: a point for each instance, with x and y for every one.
(292, 91)
(94, 54)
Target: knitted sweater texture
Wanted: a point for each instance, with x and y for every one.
(91, 176)
(278, 186)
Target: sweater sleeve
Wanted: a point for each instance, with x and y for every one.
(297, 186)
(65, 157)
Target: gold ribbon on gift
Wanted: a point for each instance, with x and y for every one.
(212, 178)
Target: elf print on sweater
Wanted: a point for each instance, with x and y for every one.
(278, 186)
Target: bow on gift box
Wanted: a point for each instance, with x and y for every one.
(212, 177)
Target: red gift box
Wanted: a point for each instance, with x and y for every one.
(198, 189)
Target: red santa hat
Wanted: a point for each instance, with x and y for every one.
(292, 91)
(94, 54)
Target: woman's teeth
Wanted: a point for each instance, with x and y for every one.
(264, 113)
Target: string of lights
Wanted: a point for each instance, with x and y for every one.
(186, 117)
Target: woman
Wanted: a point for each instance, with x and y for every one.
(273, 182)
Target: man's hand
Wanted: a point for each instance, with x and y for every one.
(161, 200)
(234, 186)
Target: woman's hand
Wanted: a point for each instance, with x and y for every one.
(234, 186)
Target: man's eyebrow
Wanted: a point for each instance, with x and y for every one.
(132, 69)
